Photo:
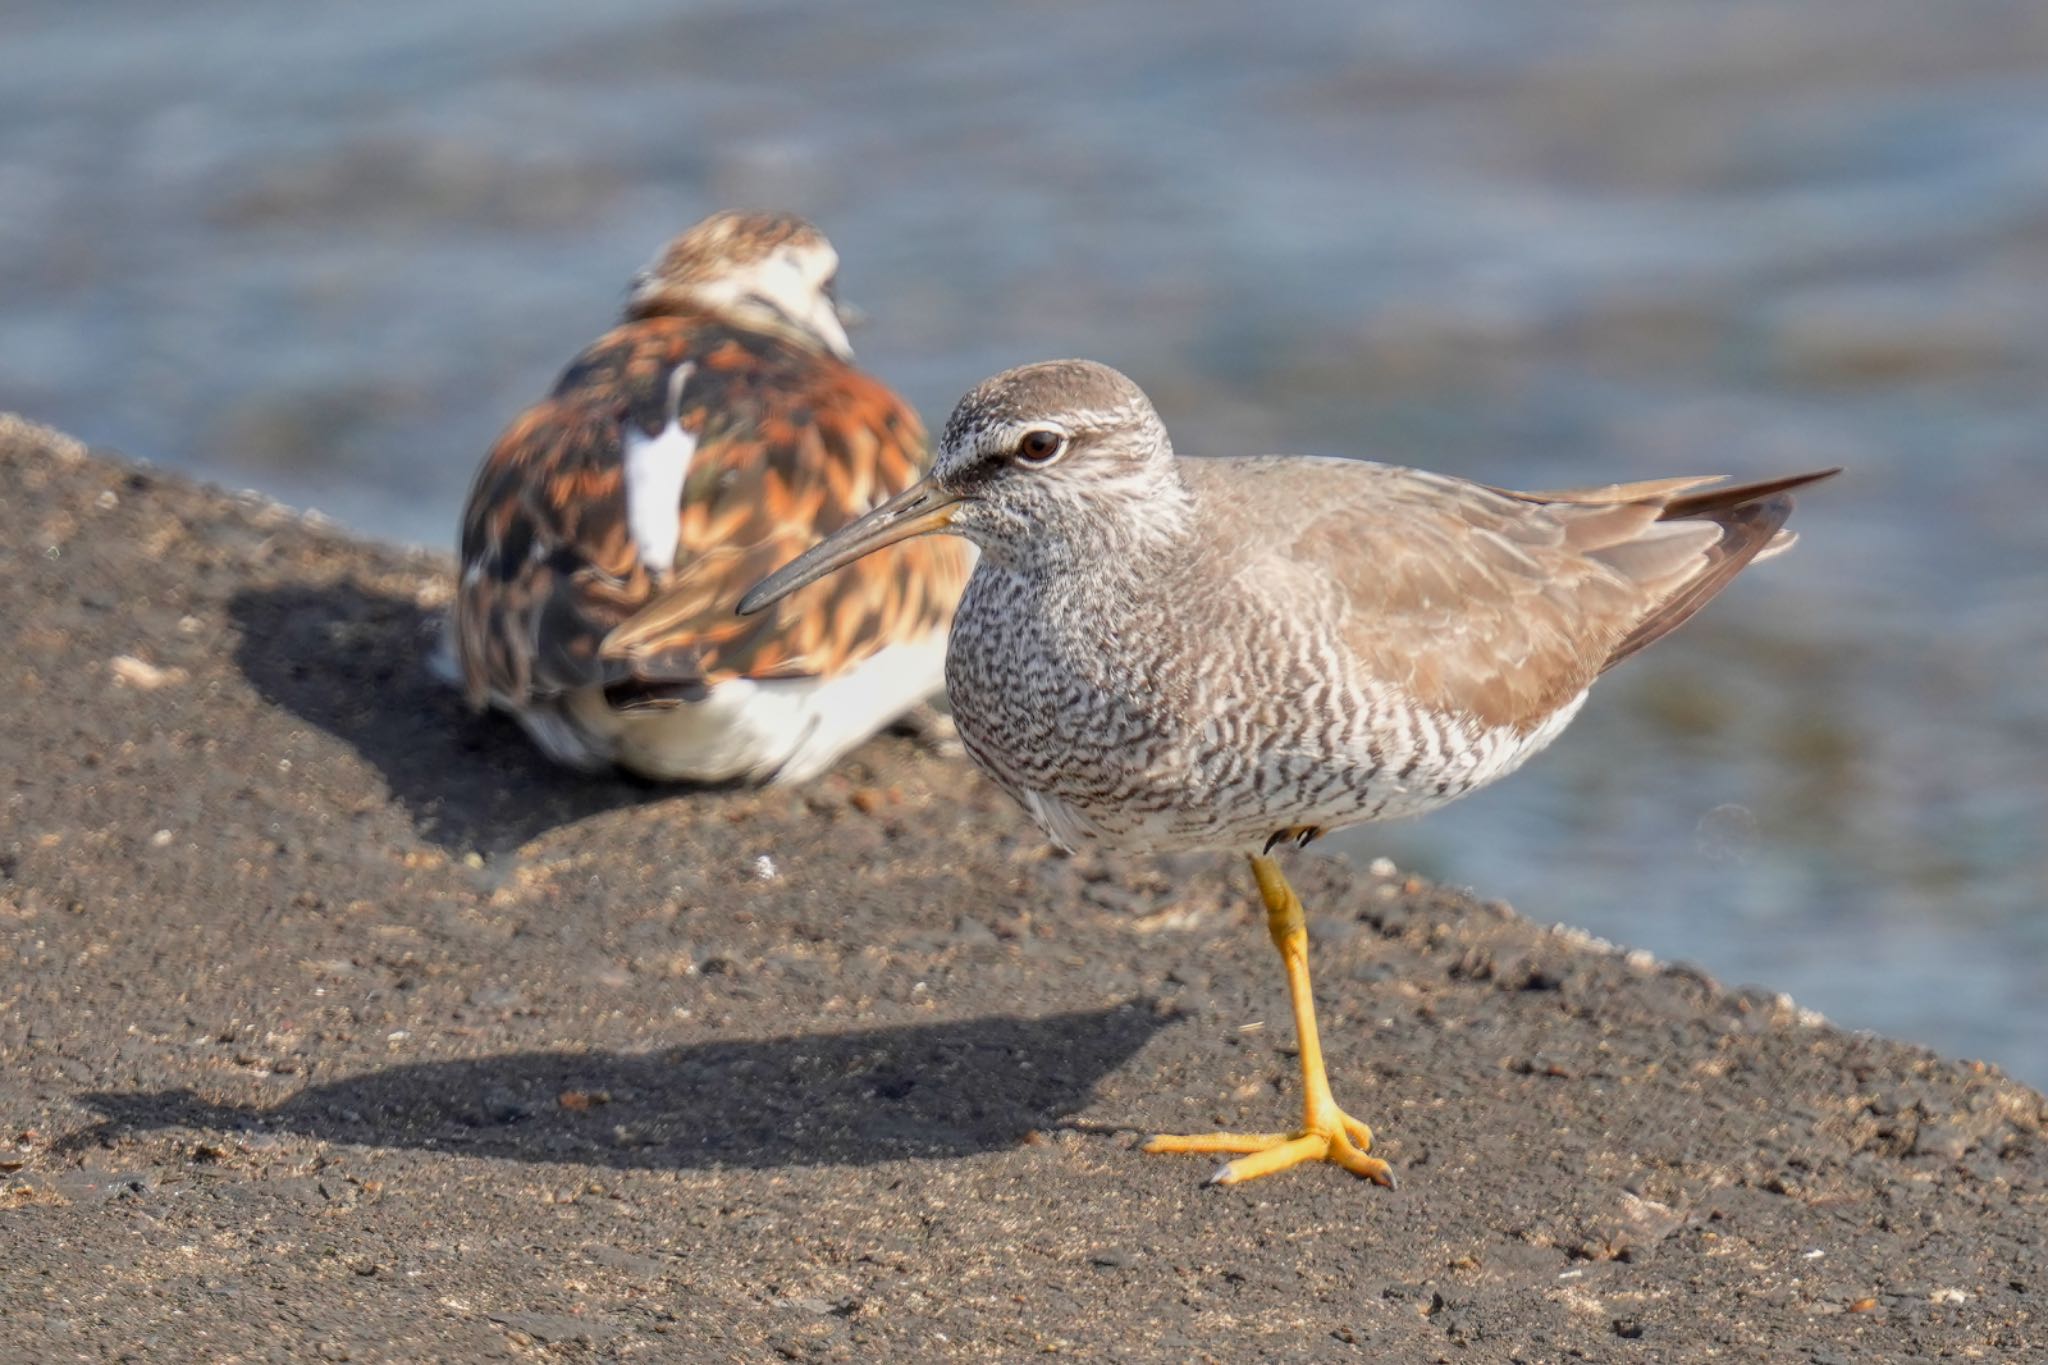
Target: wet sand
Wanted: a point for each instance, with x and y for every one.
(334, 1025)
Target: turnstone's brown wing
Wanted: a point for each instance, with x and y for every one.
(1522, 598)
(778, 445)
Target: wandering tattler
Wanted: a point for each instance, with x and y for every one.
(1163, 653)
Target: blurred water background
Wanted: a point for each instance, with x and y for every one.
(328, 251)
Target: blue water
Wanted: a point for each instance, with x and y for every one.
(326, 252)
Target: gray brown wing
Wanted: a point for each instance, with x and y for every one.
(1504, 606)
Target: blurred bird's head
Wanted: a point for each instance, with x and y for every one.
(770, 270)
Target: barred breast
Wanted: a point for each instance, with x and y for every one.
(1103, 703)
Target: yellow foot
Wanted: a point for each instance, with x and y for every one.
(1344, 1142)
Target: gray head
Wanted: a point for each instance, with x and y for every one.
(1063, 450)
(1034, 446)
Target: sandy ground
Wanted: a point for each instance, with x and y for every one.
(335, 1026)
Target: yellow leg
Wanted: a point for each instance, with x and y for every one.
(1327, 1133)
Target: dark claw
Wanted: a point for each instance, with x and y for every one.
(1298, 835)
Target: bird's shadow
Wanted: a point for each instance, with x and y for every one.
(928, 1090)
(355, 663)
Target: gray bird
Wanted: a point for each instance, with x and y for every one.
(1163, 653)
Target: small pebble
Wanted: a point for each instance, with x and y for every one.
(142, 675)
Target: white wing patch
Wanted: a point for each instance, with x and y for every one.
(655, 469)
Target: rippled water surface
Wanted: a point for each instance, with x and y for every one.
(328, 251)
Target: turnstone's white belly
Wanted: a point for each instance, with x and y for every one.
(777, 729)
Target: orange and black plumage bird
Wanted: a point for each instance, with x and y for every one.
(718, 431)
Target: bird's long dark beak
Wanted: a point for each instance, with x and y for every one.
(918, 510)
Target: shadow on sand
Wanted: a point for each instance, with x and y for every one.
(929, 1090)
(354, 663)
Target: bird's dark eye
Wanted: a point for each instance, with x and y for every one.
(1040, 447)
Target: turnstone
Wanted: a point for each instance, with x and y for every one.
(1164, 653)
(718, 430)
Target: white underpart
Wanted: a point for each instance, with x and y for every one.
(784, 729)
(1504, 751)
(1479, 758)
(1061, 820)
(655, 469)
